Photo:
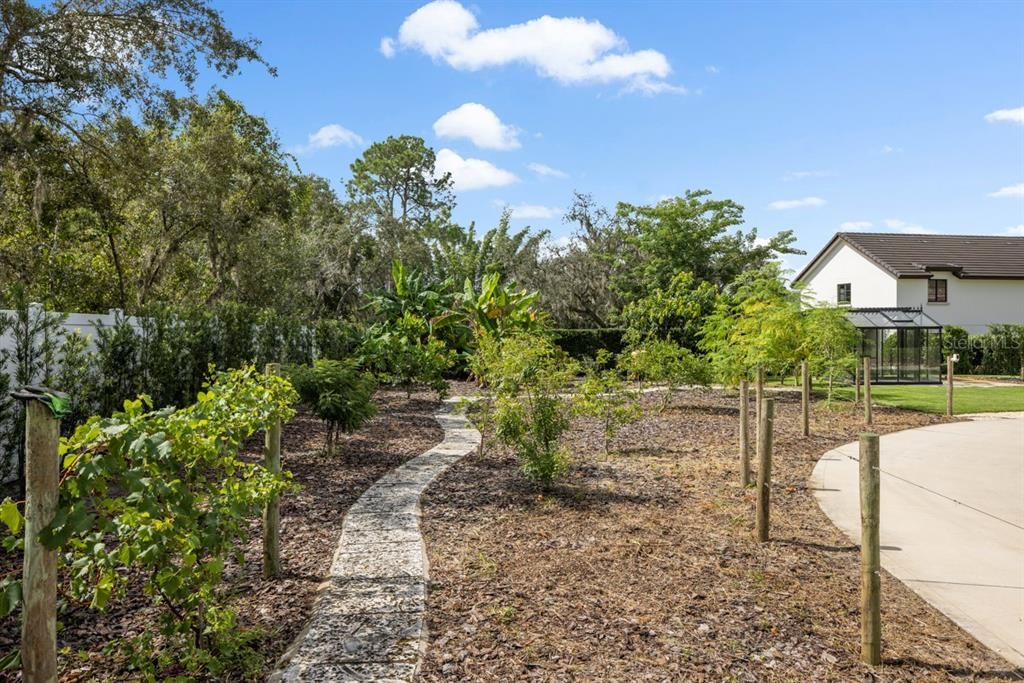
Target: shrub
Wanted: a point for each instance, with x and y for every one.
(529, 375)
(1002, 350)
(161, 495)
(404, 354)
(664, 361)
(956, 340)
(587, 343)
(603, 395)
(338, 393)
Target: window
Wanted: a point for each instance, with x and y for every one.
(937, 291)
(843, 293)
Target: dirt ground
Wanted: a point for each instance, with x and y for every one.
(642, 567)
(310, 527)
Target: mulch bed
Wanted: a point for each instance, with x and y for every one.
(642, 566)
(310, 526)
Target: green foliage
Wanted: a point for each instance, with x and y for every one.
(528, 376)
(338, 393)
(830, 342)
(604, 396)
(957, 340)
(162, 494)
(691, 234)
(496, 309)
(1002, 350)
(759, 322)
(404, 354)
(588, 343)
(675, 312)
(663, 361)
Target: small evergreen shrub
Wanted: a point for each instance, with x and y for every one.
(338, 393)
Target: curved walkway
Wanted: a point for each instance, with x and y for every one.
(952, 519)
(367, 624)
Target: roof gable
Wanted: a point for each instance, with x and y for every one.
(918, 256)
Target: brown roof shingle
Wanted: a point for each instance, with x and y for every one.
(968, 256)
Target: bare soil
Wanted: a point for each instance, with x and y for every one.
(642, 566)
(310, 527)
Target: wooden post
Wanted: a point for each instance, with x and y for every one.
(744, 432)
(949, 386)
(272, 510)
(39, 577)
(805, 396)
(870, 553)
(867, 392)
(764, 468)
(856, 383)
(759, 393)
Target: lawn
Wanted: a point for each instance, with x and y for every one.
(931, 398)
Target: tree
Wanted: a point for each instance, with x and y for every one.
(830, 342)
(458, 254)
(691, 234)
(757, 322)
(394, 187)
(64, 61)
(579, 280)
(673, 313)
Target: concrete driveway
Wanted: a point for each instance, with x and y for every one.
(952, 519)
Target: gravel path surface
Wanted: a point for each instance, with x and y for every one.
(368, 621)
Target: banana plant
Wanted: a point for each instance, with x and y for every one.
(496, 308)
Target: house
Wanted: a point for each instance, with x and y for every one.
(903, 289)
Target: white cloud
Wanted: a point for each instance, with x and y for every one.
(712, 69)
(907, 228)
(471, 174)
(331, 135)
(801, 175)
(1016, 230)
(527, 211)
(648, 86)
(478, 124)
(855, 225)
(570, 50)
(1011, 115)
(889, 149)
(1009, 191)
(387, 47)
(546, 171)
(783, 204)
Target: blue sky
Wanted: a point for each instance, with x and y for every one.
(904, 116)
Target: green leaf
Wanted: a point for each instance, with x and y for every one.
(10, 596)
(10, 515)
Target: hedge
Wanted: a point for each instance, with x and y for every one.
(585, 343)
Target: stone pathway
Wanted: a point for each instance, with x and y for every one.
(367, 624)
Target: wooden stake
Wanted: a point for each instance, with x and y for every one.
(744, 433)
(856, 383)
(39, 577)
(870, 553)
(867, 392)
(764, 468)
(272, 509)
(949, 386)
(805, 397)
(759, 393)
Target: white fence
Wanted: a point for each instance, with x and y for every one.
(86, 324)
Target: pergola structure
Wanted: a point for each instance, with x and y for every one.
(904, 344)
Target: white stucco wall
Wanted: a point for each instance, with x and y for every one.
(971, 304)
(871, 287)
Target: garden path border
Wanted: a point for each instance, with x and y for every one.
(367, 622)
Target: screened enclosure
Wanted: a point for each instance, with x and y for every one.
(904, 344)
